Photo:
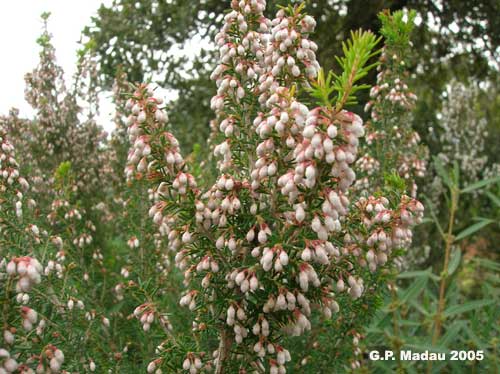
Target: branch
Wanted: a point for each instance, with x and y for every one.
(224, 348)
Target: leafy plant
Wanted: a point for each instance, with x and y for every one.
(431, 312)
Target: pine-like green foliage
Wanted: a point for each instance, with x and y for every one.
(357, 51)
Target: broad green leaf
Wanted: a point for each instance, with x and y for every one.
(473, 336)
(480, 184)
(456, 255)
(414, 274)
(418, 306)
(494, 198)
(451, 333)
(472, 229)
(456, 173)
(418, 273)
(466, 307)
(489, 264)
(433, 215)
(442, 172)
(412, 291)
(410, 323)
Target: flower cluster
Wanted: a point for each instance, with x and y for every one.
(146, 314)
(27, 269)
(382, 228)
(271, 242)
(392, 146)
(282, 239)
(61, 132)
(462, 134)
(9, 173)
(45, 247)
(137, 158)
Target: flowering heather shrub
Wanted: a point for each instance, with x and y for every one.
(49, 314)
(54, 282)
(20, 272)
(62, 130)
(13, 187)
(392, 145)
(20, 130)
(281, 241)
(461, 142)
(278, 260)
(462, 133)
(118, 144)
